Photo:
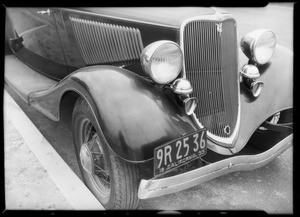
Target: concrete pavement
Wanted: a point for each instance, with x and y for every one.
(27, 183)
(36, 177)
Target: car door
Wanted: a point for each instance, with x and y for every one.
(37, 42)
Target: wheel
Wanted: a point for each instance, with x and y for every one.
(263, 139)
(113, 181)
(285, 116)
(273, 120)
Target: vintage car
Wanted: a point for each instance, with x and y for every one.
(163, 98)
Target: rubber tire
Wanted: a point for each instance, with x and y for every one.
(124, 176)
(286, 116)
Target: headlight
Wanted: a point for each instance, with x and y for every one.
(162, 61)
(259, 45)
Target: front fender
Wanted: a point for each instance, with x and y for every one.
(276, 95)
(134, 114)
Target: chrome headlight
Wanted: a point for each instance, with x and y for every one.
(162, 61)
(259, 45)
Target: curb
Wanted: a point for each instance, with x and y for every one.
(76, 193)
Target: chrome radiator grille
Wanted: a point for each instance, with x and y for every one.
(210, 52)
(106, 43)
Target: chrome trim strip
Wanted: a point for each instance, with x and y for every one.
(226, 142)
(159, 187)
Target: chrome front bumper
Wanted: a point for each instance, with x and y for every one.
(158, 187)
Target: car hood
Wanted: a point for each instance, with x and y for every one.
(167, 16)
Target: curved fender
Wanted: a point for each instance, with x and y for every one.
(135, 115)
(276, 95)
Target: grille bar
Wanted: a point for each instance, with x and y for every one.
(211, 66)
(106, 43)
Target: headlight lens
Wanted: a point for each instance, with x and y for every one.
(259, 45)
(162, 61)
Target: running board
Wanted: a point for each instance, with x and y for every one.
(23, 79)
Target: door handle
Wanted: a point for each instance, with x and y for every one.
(47, 12)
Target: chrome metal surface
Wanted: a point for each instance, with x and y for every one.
(219, 27)
(250, 41)
(159, 187)
(101, 43)
(181, 86)
(190, 105)
(250, 71)
(92, 158)
(147, 57)
(211, 64)
(256, 88)
(47, 12)
(86, 159)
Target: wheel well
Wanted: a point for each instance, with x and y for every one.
(262, 140)
(66, 107)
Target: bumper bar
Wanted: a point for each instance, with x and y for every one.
(159, 187)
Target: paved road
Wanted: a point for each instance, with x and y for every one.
(269, 188)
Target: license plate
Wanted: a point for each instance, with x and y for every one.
(180, 151)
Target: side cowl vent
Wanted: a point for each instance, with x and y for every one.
(103, 43)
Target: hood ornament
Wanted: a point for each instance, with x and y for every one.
(219, 28)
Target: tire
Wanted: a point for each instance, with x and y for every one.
(113, 181)
(285, 116)
(270, 137)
